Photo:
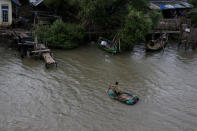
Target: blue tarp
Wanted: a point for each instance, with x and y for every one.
(162, 7)
(17, 2)
(170, 5)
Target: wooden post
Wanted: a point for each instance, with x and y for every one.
(186, 45)
(119, 46)
(34, 20)
(36, 43)
(114, 38)
(89, 34)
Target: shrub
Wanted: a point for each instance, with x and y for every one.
(61, 35)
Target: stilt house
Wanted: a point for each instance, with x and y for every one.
(173, 12)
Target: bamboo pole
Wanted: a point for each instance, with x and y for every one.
(36, 42)
(114, 38)
(119, 46)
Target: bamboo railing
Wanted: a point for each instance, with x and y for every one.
(173, 24)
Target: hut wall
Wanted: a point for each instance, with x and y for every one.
(193, 34)
(3, 4)
(173, 24)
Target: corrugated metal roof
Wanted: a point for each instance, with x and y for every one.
(168, 6)
(164, 5)
(154, 7)
(36, 2)
(186, 5)
(178, 6)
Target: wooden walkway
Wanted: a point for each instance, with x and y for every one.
(165, 31)
(27, 43)
(47, 57)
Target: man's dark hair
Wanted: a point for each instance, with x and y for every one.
(116, 83)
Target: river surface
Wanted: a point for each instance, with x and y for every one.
(73, 96)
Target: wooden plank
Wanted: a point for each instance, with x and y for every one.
(41, 51)
(48, 59)
(23, 34)
(30, 42)
(168, 32)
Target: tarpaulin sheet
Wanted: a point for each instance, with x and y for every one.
(154, 7)
(169, 6)
(17, 2)
(162, 7)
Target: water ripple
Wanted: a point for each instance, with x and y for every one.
(73, 96)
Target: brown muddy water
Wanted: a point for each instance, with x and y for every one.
(73, 96)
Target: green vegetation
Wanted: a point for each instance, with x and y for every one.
(193, 12)
(99, 15)
(136, 26)
(61, 35)
(67, 9)
(155, 16)
(140, 5)
(129, 19)
(193, 2)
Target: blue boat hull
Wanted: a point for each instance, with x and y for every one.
(124, 97)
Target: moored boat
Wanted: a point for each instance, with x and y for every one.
(155, 45)
(107, 45)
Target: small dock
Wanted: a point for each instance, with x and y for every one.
(29, 46)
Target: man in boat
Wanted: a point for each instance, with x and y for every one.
(116, 92)
(116, 89)
(164, 37)
(152, 42)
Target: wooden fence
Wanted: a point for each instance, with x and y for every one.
(193, 35)
(173, 24)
